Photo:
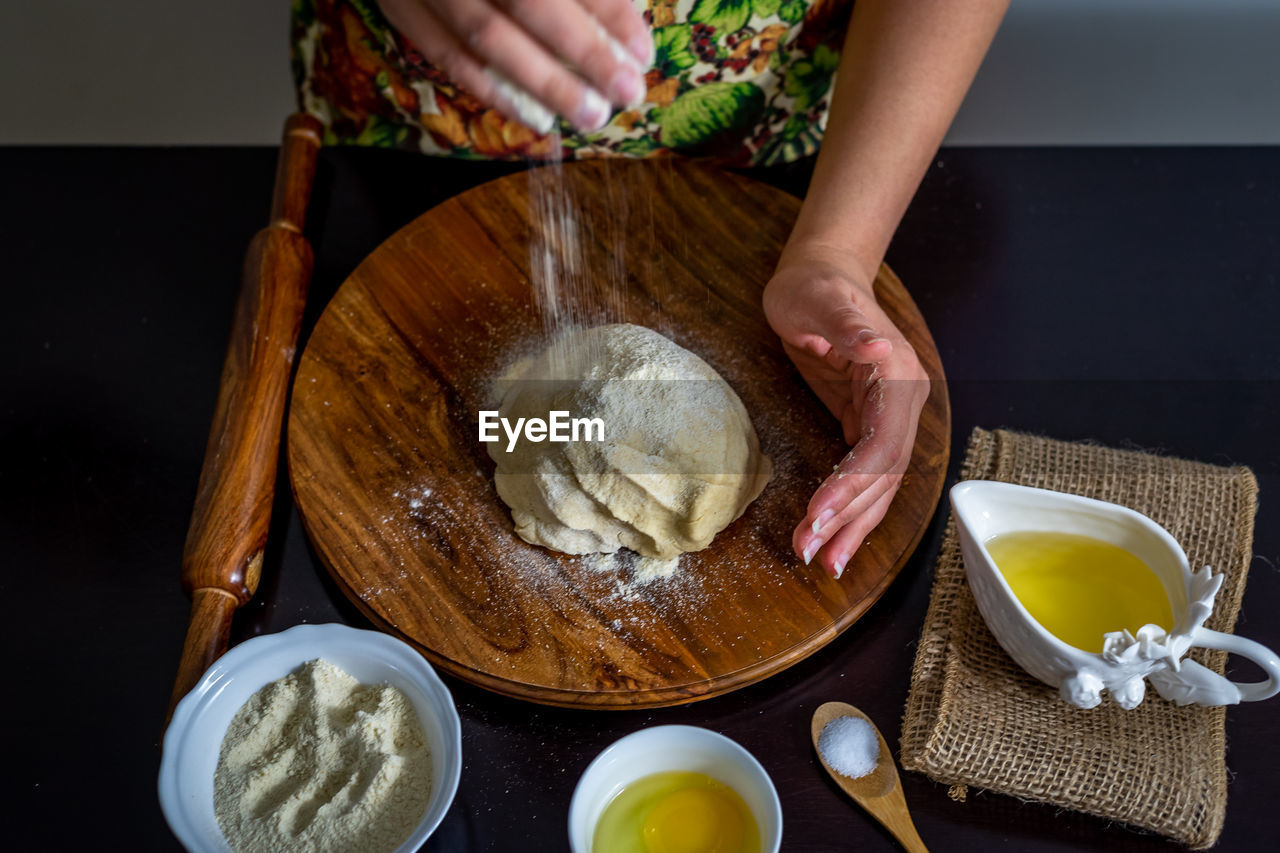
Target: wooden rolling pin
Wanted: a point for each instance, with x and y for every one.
(222, 561)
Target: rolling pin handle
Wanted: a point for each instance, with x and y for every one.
(222, 560)
(294, 171)
(207, 635)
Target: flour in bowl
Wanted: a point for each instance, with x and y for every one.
(318, 761)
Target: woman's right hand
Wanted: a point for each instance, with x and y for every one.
(572, 58)
(822, 304)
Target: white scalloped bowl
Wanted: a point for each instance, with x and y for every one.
(194, 737)
(658, 749)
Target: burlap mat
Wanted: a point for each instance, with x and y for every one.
(974, 717)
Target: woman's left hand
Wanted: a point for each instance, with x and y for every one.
(821, 304)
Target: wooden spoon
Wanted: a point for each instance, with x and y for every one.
(879, 791)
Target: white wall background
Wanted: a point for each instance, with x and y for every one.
(216, 72)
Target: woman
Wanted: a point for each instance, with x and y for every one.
(748, 81)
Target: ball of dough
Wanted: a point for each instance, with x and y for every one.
(679, 461)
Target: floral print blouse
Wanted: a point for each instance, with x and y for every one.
(745, 81)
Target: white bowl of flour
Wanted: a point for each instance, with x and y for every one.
(195, 736)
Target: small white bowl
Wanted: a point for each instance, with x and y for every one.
(665, 748)
(194, 738)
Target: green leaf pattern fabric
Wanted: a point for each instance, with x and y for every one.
(671, 51)
(701, 115)
(792, 11)
(745, 81)
(727, 15)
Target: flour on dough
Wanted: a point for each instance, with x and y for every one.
(679, 462)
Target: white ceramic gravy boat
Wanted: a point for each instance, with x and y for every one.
(984, 509)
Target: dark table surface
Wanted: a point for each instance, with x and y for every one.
(1126, 296)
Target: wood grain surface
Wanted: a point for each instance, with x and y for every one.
(222, 558)
(396, 491)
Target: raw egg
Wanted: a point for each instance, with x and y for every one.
(677, 812)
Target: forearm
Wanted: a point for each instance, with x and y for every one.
(905, 68)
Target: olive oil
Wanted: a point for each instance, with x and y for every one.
(676, 812)
(1080, 588)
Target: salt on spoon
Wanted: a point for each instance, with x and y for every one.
(877, 788)
(850, 746)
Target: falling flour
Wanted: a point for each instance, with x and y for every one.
(318, 761)
(850, 746)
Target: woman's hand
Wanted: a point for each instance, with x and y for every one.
(821, 304)
(904, 70)
(534, 59)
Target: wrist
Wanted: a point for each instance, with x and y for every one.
(858, 263)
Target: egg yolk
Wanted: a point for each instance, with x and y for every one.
(694, 820)
(676, 812)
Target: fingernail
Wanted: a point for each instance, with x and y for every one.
(838, 568)
(808, 554)
(866, 336)
(823, 517)
(626, 88)
(593, 112)
(642, 48)
(540, 123)
(637, 55)
(523, 105)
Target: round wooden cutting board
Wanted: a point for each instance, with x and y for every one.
(396, 490)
